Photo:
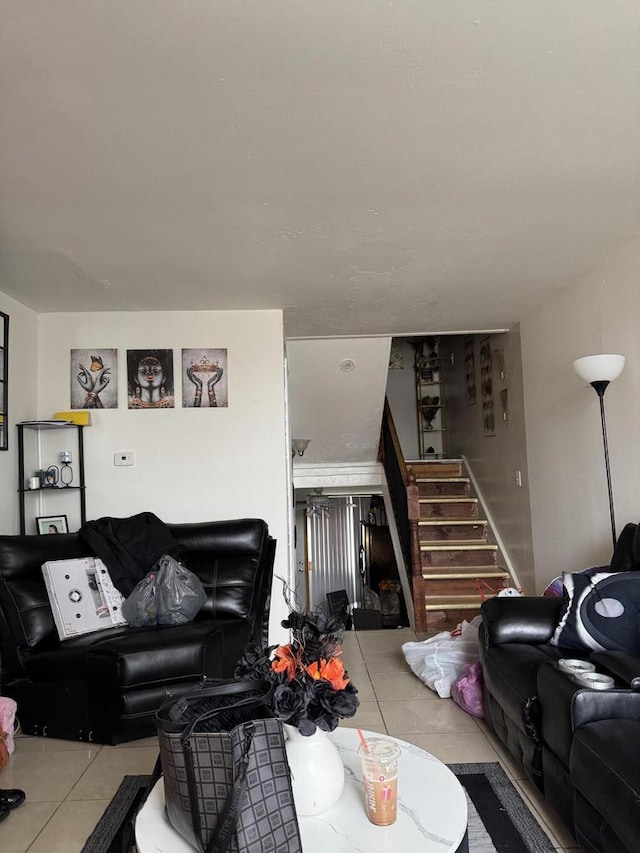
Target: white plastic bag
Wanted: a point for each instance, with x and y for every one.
(440, 660)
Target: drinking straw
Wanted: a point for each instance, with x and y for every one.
(363, 741)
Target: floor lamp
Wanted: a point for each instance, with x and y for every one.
(599, 371)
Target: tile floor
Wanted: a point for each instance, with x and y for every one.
(69, 784)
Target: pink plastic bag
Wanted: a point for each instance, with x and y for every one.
(7, 718)
(466, 691)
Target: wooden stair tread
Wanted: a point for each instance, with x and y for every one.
(450, 602)
(466, 573)
(444, 499)
(441, 479)
(452, 522)
(457, 545)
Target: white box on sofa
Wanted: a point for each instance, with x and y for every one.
(82, 596)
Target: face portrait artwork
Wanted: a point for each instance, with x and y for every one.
(94, 379)
(204, 379)
(150, 379)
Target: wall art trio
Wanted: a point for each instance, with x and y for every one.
(150, 379)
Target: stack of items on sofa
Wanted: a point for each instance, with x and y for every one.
(580, 746)
(105, 685)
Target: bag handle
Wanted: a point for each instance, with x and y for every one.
(208, 715)
(228, 819)
(176, 710)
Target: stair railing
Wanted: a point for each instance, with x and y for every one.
(405, 501)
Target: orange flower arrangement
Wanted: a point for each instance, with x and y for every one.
(311, 686)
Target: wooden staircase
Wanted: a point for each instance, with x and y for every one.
(455, 563)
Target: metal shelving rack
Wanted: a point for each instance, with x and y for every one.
(23, 492)
(430, 383)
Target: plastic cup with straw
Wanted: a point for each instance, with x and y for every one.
(379, 757)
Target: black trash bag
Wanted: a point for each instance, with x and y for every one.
(169, 595)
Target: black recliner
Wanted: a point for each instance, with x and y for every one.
(106, 686)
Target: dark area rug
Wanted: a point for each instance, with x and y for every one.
(499, 821)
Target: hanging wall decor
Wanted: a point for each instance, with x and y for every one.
(94, 379)
(204, 379)
(470, 370)
(486, 385)
(396, 356)
(150, 378)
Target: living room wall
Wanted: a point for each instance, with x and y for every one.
(23, 373)
(190, 464)
(570, 512)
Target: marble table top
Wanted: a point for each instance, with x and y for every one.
(432, 810)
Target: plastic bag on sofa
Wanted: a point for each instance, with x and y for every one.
(169, 595)
(440, 660)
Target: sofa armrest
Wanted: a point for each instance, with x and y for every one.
(526, 619)
(589, 706)
(623, 666)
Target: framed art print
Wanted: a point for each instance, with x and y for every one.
(204, 379)
(52, 524)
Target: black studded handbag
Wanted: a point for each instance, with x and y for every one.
(227, 782)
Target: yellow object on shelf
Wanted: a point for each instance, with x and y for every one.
(82, 417)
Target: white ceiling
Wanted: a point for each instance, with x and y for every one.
(369, 166)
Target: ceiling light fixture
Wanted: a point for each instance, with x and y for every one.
(298, 446)
(318, 504)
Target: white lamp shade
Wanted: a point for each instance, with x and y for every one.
(599, 368)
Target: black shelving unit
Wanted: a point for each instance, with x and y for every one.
(25, 495)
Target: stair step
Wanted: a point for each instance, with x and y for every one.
(452, 602)
(466, 573)
(444, 499)
(457, 545)
(420, 480)
(452, 522)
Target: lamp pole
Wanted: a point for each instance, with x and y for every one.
(599, 371)
(600, 388)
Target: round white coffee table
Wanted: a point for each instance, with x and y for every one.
(432, 811)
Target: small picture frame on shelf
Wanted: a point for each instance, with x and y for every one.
(52, 524)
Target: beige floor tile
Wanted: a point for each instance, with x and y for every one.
(365, 689)
(401, 685)
(20, 829)
(103, 777)
(381, 663)
(366, 717)
(132, 744)
(47, 777)
(373, 642)
(69, 827)
(30, 743)
(415, 716)
(458, 748)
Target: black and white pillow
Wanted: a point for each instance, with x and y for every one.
(602, 612)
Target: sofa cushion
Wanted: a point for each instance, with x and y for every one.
(601, 611)
(605, 769)
(133, 658)
(226, 556)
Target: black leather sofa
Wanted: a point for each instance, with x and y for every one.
(580, 747)
(106, 686)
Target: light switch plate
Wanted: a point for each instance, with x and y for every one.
(123, 457)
